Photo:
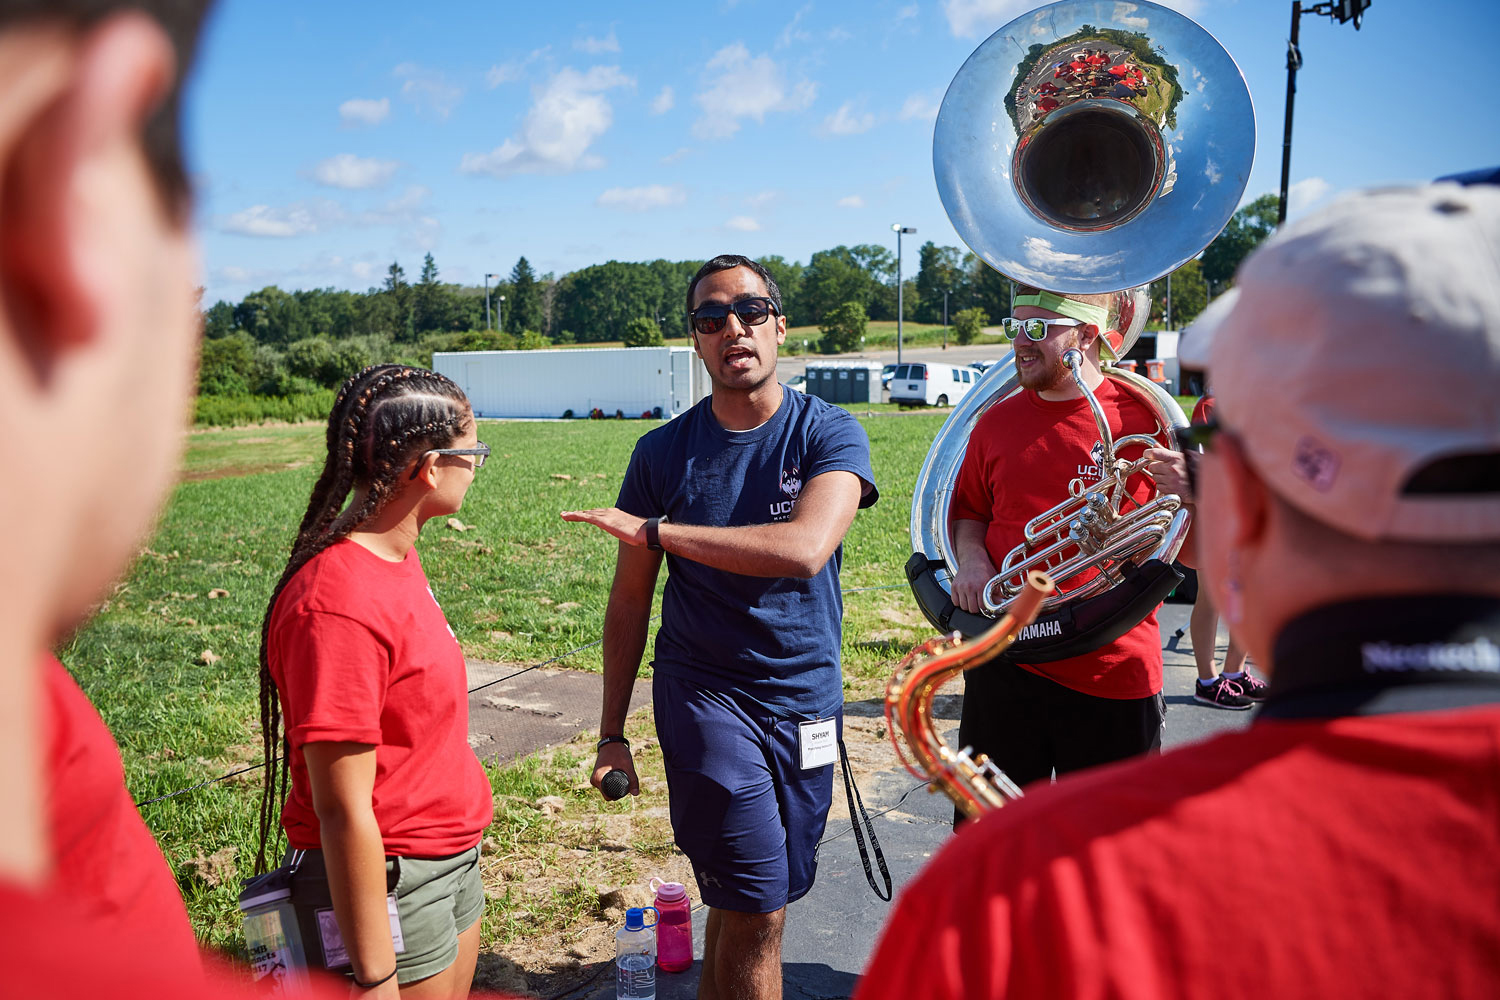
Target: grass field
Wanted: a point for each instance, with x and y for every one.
(170, 659)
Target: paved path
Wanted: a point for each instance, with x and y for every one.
(831, 931)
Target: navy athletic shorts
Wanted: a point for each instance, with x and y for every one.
(743, 810)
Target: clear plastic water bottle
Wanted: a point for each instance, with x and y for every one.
(674, 926)
(635, 956)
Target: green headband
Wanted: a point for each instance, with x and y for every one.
(1071, 308)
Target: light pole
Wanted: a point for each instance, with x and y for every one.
(899, 229)
(487, 278)
(1344, 11)
(945, 317)
(500, 310)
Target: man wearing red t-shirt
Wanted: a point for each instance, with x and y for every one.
(1352, 541)
(1034, 719)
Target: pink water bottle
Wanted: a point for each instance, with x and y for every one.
(674, 926)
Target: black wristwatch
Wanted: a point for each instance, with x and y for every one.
(611, 739)
(653, 536)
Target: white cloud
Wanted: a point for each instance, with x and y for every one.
(738, 85)
(908, 12)
(508, 72)
(305, 217)
(364, 269)
(851, 201)
(642, 199)
(595, 46)
(428, 89)
(676, 154)
(743, 224)
(845, 121)
(363, 111)
(567, 114)
(1306, 193)
(839, 33)
(502, 73)
(274, 223)
(792, 32)
(918, 106)
(663, 102)
(354, 173)
(762, 199)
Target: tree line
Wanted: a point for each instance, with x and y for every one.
(281, 343)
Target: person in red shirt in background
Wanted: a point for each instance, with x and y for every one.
(1024, 451)
(1352, 542)
(1236, 688)
(385, 790)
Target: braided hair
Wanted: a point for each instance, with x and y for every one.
(382, 419)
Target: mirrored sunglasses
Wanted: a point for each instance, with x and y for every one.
(1034, 329)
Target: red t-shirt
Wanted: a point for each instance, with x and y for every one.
(361, 653)
(106, 860)
(1346, 858)
(1021, 456)
(1203, 409)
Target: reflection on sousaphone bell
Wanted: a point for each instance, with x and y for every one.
(1087, 147)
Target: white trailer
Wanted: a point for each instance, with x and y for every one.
(542, 384)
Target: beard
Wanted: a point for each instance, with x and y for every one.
(1045, 376)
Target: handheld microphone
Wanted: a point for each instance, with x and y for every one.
(615, 784)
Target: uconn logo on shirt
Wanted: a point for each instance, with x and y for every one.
(791, 485)
(1096, 459)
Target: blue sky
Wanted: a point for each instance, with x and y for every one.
(329, 139)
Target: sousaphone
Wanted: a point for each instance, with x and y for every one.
(1088, 146)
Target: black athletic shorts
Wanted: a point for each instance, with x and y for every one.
(1031, 726)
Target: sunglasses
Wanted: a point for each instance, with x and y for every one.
(1192, 438)
(1034, 329)
(480, 453)
(711, 319)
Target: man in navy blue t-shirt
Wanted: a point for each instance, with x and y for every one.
(749, 495)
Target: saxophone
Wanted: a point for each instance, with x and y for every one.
(974, 784)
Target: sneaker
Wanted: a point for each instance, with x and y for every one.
(1251, 686)
(1221, 694)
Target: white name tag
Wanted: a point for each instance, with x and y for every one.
(819, 742)
(334, 955)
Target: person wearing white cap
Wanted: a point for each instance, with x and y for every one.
(1353, 474)
(1022, 457)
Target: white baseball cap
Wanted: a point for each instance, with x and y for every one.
(1358, 362)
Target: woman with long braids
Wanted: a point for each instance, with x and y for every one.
(386, 795)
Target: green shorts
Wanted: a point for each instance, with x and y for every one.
(436, 900)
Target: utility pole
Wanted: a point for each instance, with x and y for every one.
(899, 229)
(945, 318)
(1343, 11)
(487, 278)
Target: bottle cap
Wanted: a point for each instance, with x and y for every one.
(668, 892)
(635, 919)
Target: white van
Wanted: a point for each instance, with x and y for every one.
(931, 383)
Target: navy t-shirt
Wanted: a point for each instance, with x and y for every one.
(774, 639)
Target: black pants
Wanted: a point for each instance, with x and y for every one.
(1031, 726)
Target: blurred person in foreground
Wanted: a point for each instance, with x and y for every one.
(98, 327)
(1354, 546)
(98, 334)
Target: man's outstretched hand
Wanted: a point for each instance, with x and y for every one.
(626, 527)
